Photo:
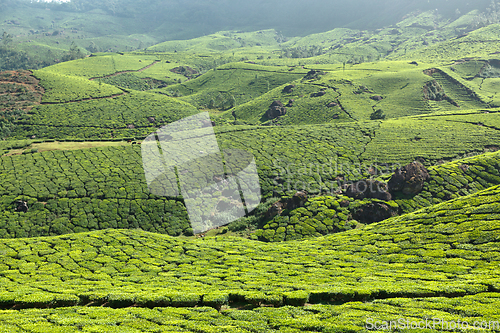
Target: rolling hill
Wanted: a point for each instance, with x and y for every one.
(413, 108)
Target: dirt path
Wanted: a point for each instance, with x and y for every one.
(85, 99)
(123, 72)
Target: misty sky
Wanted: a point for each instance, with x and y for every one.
(300, 17)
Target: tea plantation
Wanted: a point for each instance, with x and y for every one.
(448, 250)
(85, 246)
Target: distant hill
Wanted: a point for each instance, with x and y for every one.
(43, 32)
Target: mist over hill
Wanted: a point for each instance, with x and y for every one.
(193, 18)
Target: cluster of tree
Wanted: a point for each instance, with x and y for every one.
(490, 16)
(302, 52)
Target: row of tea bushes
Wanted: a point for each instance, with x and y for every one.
(438, 314)
(450, 249)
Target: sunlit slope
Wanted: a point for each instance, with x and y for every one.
(450, 249)
(102, 65)
(454, 179)
(354, 92)
(60, 88)
(128, 114)
(233, 84)
(433, 137)
(349, 317)
(478, 43)
(320, 93)
(222, 41)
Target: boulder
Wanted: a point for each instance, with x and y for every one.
(22, 206)
(368, 189)
(319, 94)
(331, 104)
(276, 110)
(373, 212)
(409, 179)
(288, 89)
(151, 119)
(185, 70)
(312, 74)
(290, 103)
(377, 98)
(297, 200)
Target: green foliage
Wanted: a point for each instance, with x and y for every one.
(73, 53)
(64, 89)
(82, 190)
(100, 66)
(454, 179)
(444, 250)
(233, 84)
(434, 138)
(378, 114)
(116, 252)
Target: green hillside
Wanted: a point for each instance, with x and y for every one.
(412, 108)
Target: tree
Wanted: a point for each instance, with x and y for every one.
(93, 47)
(379, 114)
(6, 39)
(73, 54)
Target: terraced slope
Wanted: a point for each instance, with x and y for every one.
(233, 84)
(64, 89)
(333, 213)
(349, 317)
(447, 250)
(74, 191)
(432, 137)
(19, 93)
(101, 66)
(397, 88)
(127, 115)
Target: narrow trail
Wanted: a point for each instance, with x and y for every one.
(124, 72)
(85, 99)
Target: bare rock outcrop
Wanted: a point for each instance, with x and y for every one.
(277, 109)
(409, 179)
